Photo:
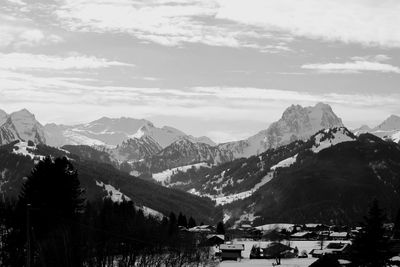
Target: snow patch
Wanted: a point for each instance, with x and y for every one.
(285, 163)
(164, 177)
(112, 192)
(339, 136)
(153, 213)
(273, 226)
(22, 148)
(223, 200)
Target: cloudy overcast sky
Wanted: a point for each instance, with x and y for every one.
(221, 68)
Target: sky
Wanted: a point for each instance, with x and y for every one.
(221, 68)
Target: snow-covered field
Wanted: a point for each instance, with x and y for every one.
(165, 176)
(285, 163)
(301, 245)
(264, 263)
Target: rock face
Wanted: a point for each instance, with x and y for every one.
(3, 117)
(296, 123)
(21, 125)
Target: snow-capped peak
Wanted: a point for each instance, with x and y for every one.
(330, 137)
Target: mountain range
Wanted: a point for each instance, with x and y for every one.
(283, 173)
(330, 178)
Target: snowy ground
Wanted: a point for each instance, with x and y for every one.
(301, 245)
(22, 148)
(222, 200)
(264, 263)
(285, 163)
(118, 196)
(165, 176)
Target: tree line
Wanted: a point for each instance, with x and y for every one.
(51, 224)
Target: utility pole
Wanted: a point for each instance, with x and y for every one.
(28, 236)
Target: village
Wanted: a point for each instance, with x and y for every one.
(283, 244)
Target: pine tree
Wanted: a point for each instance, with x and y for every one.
(220, 228)
(396, 229)
(53, 199)
(371, 247)
(182, 221)
(191, 223)
(173, 224)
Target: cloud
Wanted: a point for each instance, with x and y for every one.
(370, 23)
(169, 23)
(377, 58)
(17, 33)
(357, 66)
(18, 37)
(16, 61)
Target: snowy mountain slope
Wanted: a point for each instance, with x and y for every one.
(388, 129)
(163, 136)
(296, 123)
(165, 176)
(104, 131)
(330, 137)
(237, 179)
(334, 185)
(18, 158)
(181, 153)
(110, 133)
(135, 149)
(238, 185)
(21, 125)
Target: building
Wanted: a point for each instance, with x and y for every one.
(231, 251)
(304, 236)
(339, 236)
(334, 248)
(272, 251)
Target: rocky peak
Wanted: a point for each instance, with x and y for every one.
(3, 117)
(391, 123)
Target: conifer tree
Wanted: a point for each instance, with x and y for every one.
(182, 221)
(52, 197)
(191, 223)
(220, 228)
(173, 224)
(371, 247)
(396, 229)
